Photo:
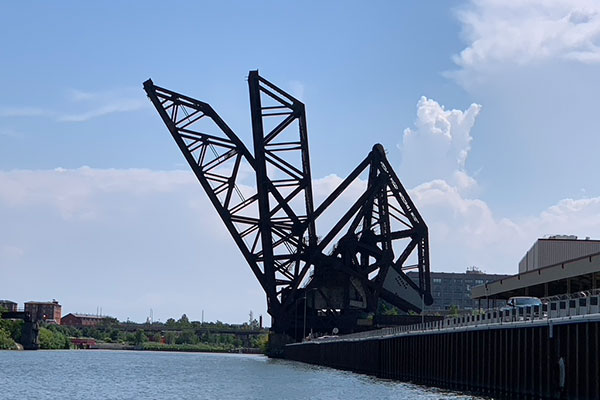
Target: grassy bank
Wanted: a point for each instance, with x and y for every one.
(199, 347)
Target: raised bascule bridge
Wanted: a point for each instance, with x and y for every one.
(330, 282)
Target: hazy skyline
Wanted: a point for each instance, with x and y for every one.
(487, 110)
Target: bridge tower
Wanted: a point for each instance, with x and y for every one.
(329, 283)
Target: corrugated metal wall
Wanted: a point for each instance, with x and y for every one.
(546, 252)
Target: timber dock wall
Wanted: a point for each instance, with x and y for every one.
(550, 359)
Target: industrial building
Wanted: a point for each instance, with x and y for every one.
(556, 265)
(82, 320)
(49, 311)
(555, 250)
(8, 305)
(454, 288)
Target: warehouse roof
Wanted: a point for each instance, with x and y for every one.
(582, 273)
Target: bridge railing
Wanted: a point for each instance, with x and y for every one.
(558, 308)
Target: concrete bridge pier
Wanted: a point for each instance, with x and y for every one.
(30, 335)
(277, 343)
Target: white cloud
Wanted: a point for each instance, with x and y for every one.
(119, 106)
(84, 106)
(89, 105)
(153, 235)
(438, 146)
(129, 234)
(74, 193)
(464, 230)
(525, 32)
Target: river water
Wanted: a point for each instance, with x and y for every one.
(121, 375)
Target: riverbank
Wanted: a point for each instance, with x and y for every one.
(149, 346)
(198, 348)
(188, 348)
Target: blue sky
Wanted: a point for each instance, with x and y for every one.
(487, 110)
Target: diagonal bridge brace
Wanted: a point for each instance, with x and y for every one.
(273, 220)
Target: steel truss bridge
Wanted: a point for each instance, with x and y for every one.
(336, 279)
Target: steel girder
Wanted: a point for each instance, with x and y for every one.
(273, 220)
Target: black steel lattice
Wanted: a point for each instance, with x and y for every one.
(273, 223)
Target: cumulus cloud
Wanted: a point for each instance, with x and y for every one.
(464, 230)
(126, 233)
(527, 32)
(74, 193)
(438, 146)
(148, 238)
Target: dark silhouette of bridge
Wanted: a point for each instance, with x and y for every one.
(30, 331)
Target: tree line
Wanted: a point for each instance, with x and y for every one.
(181, 334)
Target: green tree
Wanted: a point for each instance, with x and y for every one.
(115, 335)
(187, 336)
(6, 342)
(140, 337)
(183, 321)
(453, 310)
(171, 323)
(130, 338)
(261, 342)
(13, 328)
(170, 337)
(51, 340)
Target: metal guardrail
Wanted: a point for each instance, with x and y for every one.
(568, 307)
(576, 295)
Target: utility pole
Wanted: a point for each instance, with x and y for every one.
(422, 308)
(304, 325)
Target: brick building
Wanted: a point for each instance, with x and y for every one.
(8, 305)
(82, 320)
(49, 311)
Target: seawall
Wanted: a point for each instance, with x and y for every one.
(551, 359)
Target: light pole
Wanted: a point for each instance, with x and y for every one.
(422, 308)
(304, 325)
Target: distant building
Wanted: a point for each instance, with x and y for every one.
(82, 320)
(8, 305)
(49, 311)
(83, 343)
(554, 266)
(454, 289)
(557, 249)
